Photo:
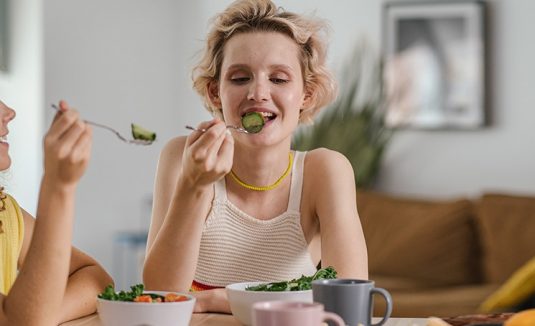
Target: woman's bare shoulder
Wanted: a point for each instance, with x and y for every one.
(173, 149)
(170, 159)
(326, 170)
(323, 160)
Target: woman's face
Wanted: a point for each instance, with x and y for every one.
(261, 72)
(6, 115)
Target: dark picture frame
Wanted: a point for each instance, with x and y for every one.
(435, 64)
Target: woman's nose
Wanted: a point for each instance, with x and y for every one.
(258, 91)
(10, 115)
(6, 112)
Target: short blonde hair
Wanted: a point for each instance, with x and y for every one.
(246, 16)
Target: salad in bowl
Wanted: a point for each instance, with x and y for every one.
(140, 307)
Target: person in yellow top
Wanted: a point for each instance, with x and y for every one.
(43, 279)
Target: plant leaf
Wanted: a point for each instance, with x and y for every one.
(354, 124)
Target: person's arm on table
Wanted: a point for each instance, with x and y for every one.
(342, 240)
(37, 295)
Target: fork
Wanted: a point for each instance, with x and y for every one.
(121, 137)
(238, 129)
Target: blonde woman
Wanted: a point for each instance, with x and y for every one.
(234, 207)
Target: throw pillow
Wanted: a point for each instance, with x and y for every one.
(430, 241)
(507, 228)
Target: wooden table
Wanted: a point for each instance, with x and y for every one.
(229, 320)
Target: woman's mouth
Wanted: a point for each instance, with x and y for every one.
(255, 120)
(3, 140)
(268, 116)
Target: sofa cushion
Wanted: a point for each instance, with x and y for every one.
(507, 227)
(429, 241)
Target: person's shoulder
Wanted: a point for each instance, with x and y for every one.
(323, 160)
(174, 143)
(326, 174)
(174, 148)
(9, 198)
(9, 203)
(326, 169)
(170, 158)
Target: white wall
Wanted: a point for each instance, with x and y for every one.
(119, 62)
(21, 87)
(126, 61)
(499, 158)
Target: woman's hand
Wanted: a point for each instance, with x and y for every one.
(67, 147)
(211, 301)
(208, 155)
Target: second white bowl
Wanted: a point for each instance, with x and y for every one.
(241, 301)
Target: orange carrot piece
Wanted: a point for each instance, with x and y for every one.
(173, 297)
(143, 298)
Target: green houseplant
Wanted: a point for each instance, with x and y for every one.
(354, 123)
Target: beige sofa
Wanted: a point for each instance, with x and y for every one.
(444, 258)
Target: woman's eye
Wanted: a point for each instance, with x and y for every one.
(278, 80)
(239, 80)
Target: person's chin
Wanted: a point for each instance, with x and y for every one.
(5, 162)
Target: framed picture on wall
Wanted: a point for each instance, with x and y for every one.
(435, 64)
(3, 35)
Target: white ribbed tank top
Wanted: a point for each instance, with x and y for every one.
(236, 247)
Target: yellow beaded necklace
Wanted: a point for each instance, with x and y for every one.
(265, 188)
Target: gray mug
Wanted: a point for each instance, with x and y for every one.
(351, 299)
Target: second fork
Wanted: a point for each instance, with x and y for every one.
(121, 137)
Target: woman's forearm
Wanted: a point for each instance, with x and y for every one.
(212, 301)
(83, 286)
(171, 260)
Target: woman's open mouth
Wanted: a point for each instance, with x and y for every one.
(253, 121)
(268, 116)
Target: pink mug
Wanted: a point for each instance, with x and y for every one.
(287, 313)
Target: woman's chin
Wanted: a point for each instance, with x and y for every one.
(5, 162)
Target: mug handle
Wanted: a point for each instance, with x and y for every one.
(388, 300)
(333, 317)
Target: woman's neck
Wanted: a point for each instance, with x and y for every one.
(261, 167)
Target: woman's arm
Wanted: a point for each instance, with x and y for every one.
(37, 294)
(183, 193)
(342, 240)
(86, 278)
(211, 301)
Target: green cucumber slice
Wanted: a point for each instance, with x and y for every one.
(253, 122)
(141, 133)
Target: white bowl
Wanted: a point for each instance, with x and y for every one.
(241, 301)
(121, 313)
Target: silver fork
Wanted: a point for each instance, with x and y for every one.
(238, 129)
(121, 137)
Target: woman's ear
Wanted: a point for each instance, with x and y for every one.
(213, 93)
(307, 100)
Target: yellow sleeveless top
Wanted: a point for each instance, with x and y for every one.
(11, 236)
